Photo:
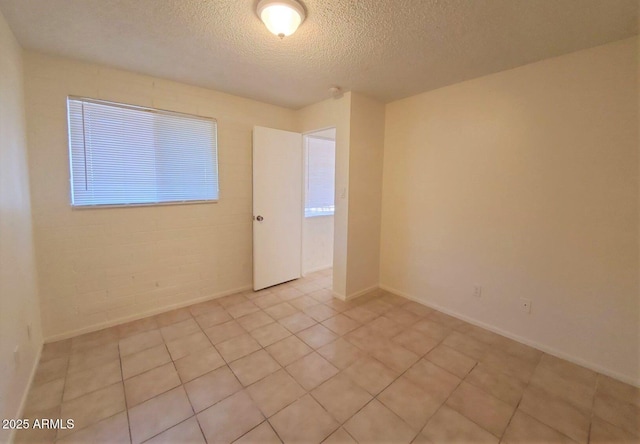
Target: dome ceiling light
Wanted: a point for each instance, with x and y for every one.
(281, 17)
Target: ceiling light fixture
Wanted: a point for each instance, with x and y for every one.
(281, 17)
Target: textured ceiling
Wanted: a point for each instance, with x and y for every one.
(387, 49)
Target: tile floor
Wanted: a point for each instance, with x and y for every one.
(292, 364)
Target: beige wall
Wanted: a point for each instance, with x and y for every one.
(18, 284)
(366, 146)
(524, 182)
(101, 266)
(317, 243)
(335, 113)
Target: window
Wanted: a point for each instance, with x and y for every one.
(130, 155)
(320, 163)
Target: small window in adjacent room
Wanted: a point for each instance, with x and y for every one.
(130, 155)
(320, 162)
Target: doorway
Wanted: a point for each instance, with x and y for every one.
(319, 201)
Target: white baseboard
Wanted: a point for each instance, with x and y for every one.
(316, 269)
(355, 295)
(114, 322)
(542, 347)
(25, 395)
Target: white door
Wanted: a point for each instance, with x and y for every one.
(277, 206)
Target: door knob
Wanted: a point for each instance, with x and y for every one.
(259, 218)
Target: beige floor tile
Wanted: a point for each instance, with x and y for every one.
(51, 369)
(619, 390)
(297, 322)
(89, 341)
(231, 300)
(45, 396)
(53, 350)
(197, 364)
(173, 316)
(152, 383)
(270, 334)
(87, 381)
(140, 341)
(370, 374)
(93, 407)
(267, 300)
(451, 360)
(111, 430)
(303, 421)
(555, 413)
(340, 353)
(340, 436)
(449, 426)
(485, 410)
(237, 347)
(275, 392)
(138, 326)
(179, 329)
(187, 432)
(320, 312)
(361, 314)
(410, 402)
(213, 317)
(466, 345)
(415, 341)
(402, 316)
(436, 381)
(288, 350)
(445, 319)
(181, 347)
(376, 423)
(230, 419)
(378, 306)
(341, 397)
(619, 413)
(225, 331)
(93, 358)
(317, 336)
(523, 429)
(570, 390)
(323, 295)
(366, 339)
(505, 363)
(384, 326)
(254, 367)
(500, 385)
(311, 370)
(204, 307)
(159, 414)
(281, 310)
(518, 350)
(395, 356)
(208, 389)
(417, 308)
(303, 302)
(255, 320)
(339, 305)
(486, 336)
(603, 432)
(242, 309)
(431, 328)
(38, 435)
(341, 324)
(263, 434)
(145, 360)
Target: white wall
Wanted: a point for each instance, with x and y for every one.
(524, 182)
(102, 266)
(18, 282)
(366, 147)
(317, 243)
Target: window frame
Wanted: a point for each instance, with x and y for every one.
(215, 149)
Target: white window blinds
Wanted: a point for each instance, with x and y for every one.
(320, 176)
(129, 155)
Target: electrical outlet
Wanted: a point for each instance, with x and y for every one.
(477, 291)
(16, 355)
(525, 305)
